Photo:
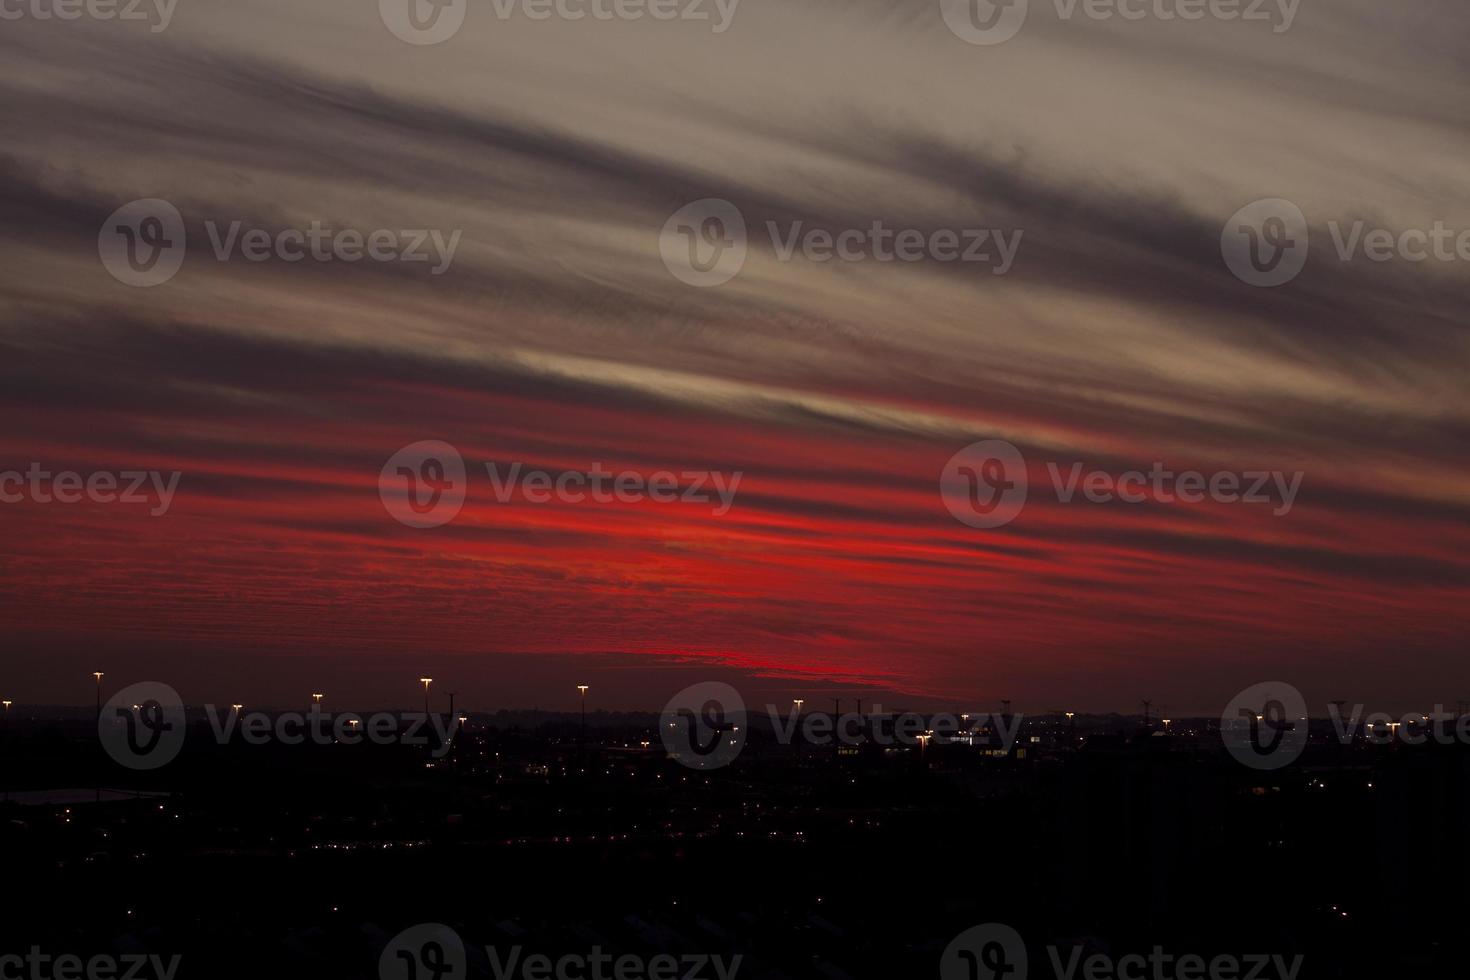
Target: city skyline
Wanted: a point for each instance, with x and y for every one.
(758, 698)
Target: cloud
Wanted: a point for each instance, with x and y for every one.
(557, 336)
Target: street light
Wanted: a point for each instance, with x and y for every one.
(97, 675)
(318, 698)
(582, 690)
(426, 681)
(7, 732)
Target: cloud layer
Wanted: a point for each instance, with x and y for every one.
(839, 389)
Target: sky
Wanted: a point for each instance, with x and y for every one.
(553, 153)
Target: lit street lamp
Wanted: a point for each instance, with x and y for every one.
(97, 676)
(426, 681)
(6, 719)
(798, 702)
(582, 690)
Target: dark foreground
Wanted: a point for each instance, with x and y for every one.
(617, 862)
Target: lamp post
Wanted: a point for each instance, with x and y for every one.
(97, 676)
(426, 681)
(7, 747)
(798, 702)
(582, 690)
(318, 698)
